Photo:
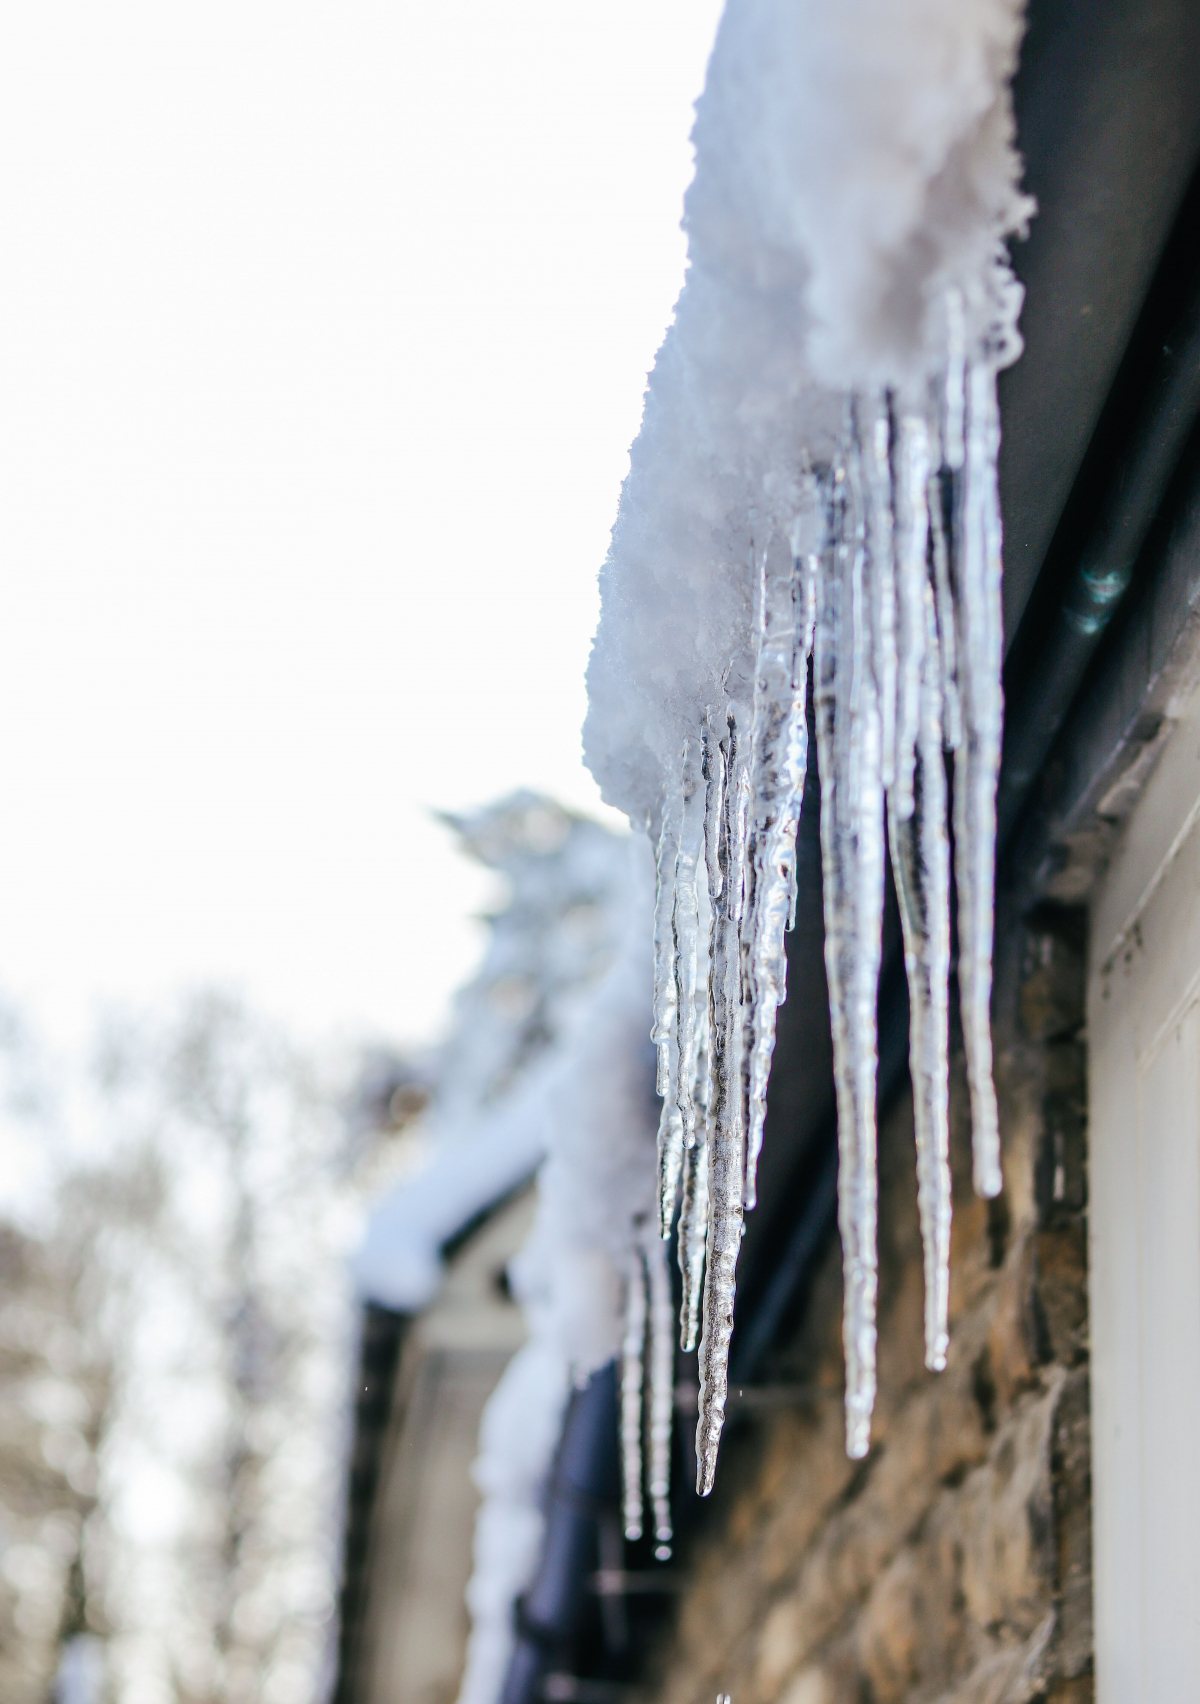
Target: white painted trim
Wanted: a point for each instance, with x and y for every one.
(1144, 1239)
(1156, 832)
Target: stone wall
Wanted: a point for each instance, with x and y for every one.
(953, 1565)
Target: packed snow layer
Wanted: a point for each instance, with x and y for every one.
(487, 1126)
(814, 488)
(853, 163)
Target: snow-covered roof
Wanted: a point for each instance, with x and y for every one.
(487, 1126)
(815, 483)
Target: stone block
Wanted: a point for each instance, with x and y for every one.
(1007, 1521)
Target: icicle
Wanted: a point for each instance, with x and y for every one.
(632, 1351)
(662, 1394)
(807, 551)
(714, 802)
(670, 1152)
(780, 747)
(666, 855)
(977, 760)
(793, 896)
(666, 995)
(848, 736)
(902, 588)
(726, 1142)
(693, 1202)
(912, 573)
(921, 863)
(693, 1232)
(685, 925)
(874, 443)
(939, 485)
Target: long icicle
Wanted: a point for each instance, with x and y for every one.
(905, 592)
(666, 854)
(685, 925)
(632, 1360)
(848, 736)
(726, 1157)
(911, 499)
(713, 766)
(873, 456)
(693, 1212)
(977, 760)
(921, 863)
(921, 860)
(780, 745)
(666, 996)
(662, 1393)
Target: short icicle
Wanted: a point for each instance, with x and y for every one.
(852, 841)
(726, 1141)
(632, 1361)
(662, 1393)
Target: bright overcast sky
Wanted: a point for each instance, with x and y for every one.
(323, 333)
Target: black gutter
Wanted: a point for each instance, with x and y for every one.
(381, 1338)
(582, 1512)
(1108, 125)
(1116, 728)
(1138, 446)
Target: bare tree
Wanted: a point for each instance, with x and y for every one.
(238, 1365)
(174, 1370)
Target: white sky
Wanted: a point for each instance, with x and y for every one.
(323, 333)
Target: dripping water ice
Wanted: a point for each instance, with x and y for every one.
(662, 1393)
(633, 1350)
(887, 586)
(849, 755)
(726, 1117)
(648, 1347)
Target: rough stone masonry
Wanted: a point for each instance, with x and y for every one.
(953, 1565)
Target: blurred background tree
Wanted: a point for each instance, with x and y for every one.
(175, 1355)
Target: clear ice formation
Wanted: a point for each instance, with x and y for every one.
(661, 1349)
(649, 1341)
(888, 588)
(633, 1351)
